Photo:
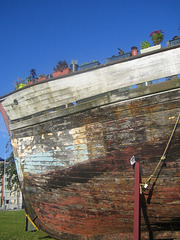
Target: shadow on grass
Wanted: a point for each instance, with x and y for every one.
(46, 237)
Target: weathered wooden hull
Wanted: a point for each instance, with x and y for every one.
(75, 169)
(95, 197)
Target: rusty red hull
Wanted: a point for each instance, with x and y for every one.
(94, 198)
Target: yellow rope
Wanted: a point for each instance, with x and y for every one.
(34, 225)
(163, 156)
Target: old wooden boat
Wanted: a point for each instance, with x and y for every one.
(73, 137)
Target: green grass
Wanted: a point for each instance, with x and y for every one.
(12, 227)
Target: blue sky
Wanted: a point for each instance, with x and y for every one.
(39, 33)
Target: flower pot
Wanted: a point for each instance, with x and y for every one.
(150, 49)
(60, 73)
(134, 51)
(21, 85)
(115, 58)
(66, 71)
(41, 79)
(57, 73)
(175, 37)
(29, 83)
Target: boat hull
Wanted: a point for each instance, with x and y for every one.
(77, 179)
(73, 137)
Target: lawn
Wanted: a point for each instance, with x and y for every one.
(12, 227)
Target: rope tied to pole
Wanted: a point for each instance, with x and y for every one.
(163, 157)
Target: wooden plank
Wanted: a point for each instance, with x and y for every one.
(86, 84)
(44, 116)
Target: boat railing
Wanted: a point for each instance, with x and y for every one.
(90, 66)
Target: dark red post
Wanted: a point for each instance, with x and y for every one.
(137, 208)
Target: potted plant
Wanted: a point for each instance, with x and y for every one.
(32, 78)
(157, 37)
(120, 51)
(145, 45)
(42, 77)
(29, 81)
(20, 84)
(89, 65)
(61, 69)
(33, 75)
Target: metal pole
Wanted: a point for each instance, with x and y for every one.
(137, 208)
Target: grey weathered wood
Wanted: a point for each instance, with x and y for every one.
(100, 101)
(86, 84)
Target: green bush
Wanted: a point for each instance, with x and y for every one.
(145, 44)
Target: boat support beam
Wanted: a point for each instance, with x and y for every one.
(137, 203)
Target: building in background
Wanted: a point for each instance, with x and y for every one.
(9, 199)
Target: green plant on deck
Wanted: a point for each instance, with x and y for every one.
(33, 74)
(60, 66)
(42, 75)
(145, 44)
(20, 83)
(157, 37)
(28, 79)
(120, 51)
